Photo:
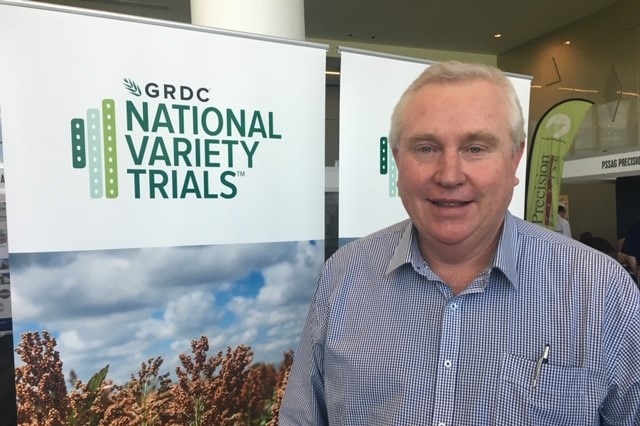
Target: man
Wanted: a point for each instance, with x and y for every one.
(562, 225)
(465, 314)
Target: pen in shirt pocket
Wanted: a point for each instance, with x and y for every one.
(544, 358)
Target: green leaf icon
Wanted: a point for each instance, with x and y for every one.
(131, 86)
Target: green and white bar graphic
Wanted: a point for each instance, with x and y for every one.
(88, 147)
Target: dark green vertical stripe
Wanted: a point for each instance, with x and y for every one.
(78, 144)
(384, 156)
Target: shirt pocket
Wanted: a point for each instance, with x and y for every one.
(563, 395)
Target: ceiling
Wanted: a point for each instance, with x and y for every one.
(457, 25)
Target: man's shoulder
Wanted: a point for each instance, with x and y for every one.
(380, 243)
(534, 237)
(359, 264)
(393, 231)
(529, 229)
(538, 242)
(390, 232)
(566, 263)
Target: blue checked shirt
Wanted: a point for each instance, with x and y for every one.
(386, 342)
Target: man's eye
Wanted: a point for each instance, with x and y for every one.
(425, 148)
(475, 149)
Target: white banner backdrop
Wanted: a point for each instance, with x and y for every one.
(370, 86)
(138, 133)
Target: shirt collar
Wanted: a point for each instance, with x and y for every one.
(403, 251)
(506, 256)
(504, 260)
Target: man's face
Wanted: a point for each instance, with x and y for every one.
(456, 165)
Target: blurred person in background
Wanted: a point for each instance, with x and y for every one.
(562, 223)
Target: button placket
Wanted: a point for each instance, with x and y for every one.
(447, 357)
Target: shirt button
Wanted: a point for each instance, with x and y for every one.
(454, 306)
(441, 424)
(447, 363)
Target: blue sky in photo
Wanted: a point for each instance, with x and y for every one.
(123, 307)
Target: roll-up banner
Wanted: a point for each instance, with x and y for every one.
(164, 182)
(370, 86)
(554, 135)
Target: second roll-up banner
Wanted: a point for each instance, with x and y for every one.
(164, 182)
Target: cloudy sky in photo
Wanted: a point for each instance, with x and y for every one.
(122, 307)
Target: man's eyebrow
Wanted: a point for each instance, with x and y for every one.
(487, 137)
(423, 137)
(481, 136)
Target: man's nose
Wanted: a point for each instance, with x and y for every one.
(450, 169)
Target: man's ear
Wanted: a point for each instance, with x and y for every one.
(517, 156)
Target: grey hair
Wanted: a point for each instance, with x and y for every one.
(452, 72)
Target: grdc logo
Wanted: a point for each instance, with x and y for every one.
(93, 138)
(388, 166)
(167, 91)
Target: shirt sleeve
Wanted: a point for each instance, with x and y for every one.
(622, 341)
(304, 400)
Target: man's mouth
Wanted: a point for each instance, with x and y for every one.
(451, 203)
